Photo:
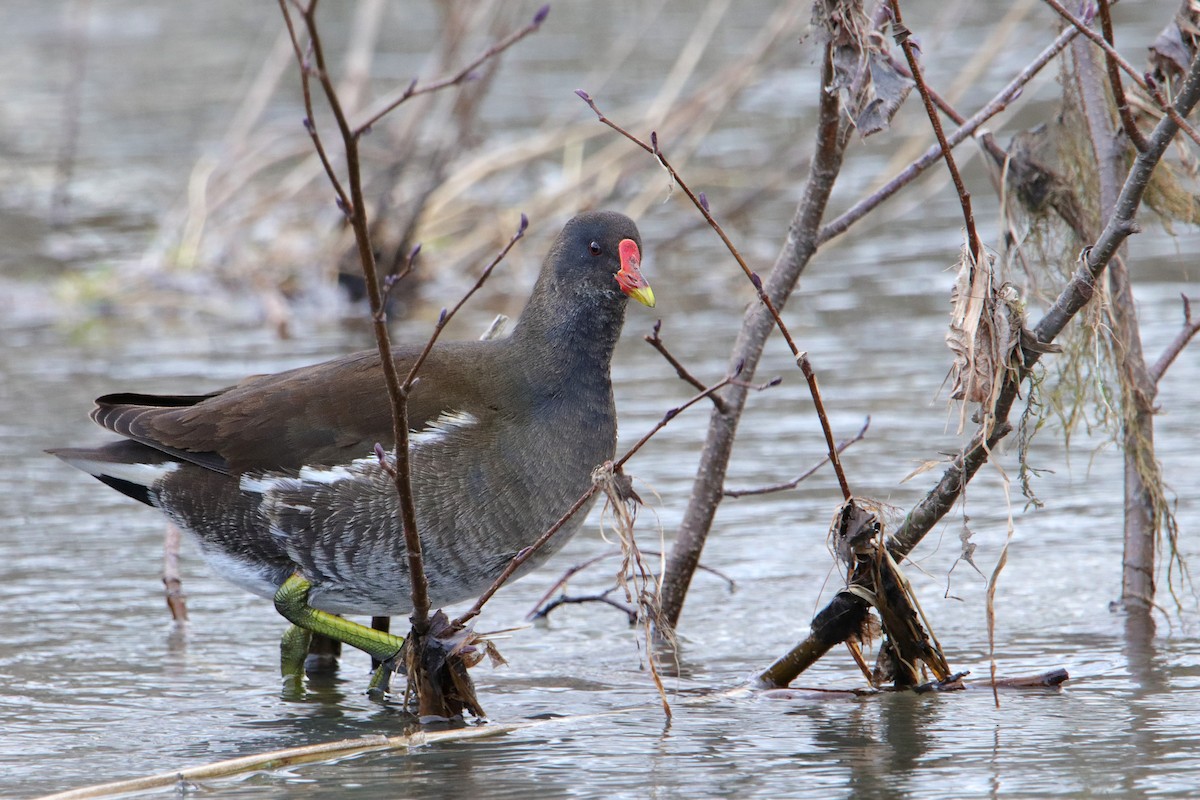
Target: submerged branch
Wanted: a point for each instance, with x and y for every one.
(942, 497)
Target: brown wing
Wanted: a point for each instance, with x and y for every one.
(324, 414)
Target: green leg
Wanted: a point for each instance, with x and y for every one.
(291, 600)
(293, 650)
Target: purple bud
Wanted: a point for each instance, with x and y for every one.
(308, 124)
(524, 219)
(778, 379)
(737, 370)
(365, 131)
(1148, 77)
(703, 201)
(411, 87)
(657, 327)
(389, 282)
(341, 204)
(541, 14)
(379, 453)
(473, 75)
(757, 281)
(442, 317)
(584, 96)
(671, 414)
(412, 256)
(654, 140)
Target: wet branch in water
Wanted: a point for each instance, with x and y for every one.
(841, 617)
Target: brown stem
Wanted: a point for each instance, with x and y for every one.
(794, 482)
(800, 244)
(397, 394)
(901, 36)
(354, 207)
(906, 176)
(811, 377)
(464, 74)
(1190, 328)
(1114, 80)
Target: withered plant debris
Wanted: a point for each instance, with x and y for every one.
(985, 333)
(439, 679)
(639, 583)
(890, 89)
(858, 539)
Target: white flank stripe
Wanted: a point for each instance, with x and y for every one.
(446, 423)
(262, 484)
(140, 474)
(326, 475)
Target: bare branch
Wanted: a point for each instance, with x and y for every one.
(1190, 328)
(997, 104)
(657, 343)
(446, 316)
(1114, 80)
(794, 482)
(464, 74)
(902, 36)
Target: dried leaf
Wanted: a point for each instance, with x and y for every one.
(984, 335)
(890, 88)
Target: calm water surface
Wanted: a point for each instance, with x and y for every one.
(97, 685)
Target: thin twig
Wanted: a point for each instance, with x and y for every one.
(826, 428)
(701, 204)
(574, 570)
(1190, 328)
(1083, 26)
(310, 120)
(792, 484)
(655, 341)
(543, 612)
(674, 412)
(445, 317)
(1185, 126)
(902, 37)
(464, 74)
(997, 104)
(1114, 80)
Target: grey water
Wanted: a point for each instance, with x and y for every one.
(97, 684)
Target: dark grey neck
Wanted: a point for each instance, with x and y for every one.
(570, 339)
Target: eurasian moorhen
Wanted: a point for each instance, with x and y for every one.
(277, 479)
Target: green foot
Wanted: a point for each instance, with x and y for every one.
(291, 600)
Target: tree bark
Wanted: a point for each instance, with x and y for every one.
(1138, 387)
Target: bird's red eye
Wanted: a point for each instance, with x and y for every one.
(594, 249)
